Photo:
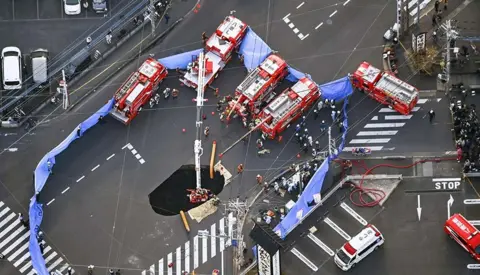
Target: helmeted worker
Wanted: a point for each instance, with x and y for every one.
(175, 93)
(206, 131)
(259, 179)
(240, 168)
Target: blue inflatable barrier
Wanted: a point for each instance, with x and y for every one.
(337, 89)
(304, 204)
(294, 75)
(254, 50)
(180, 60)
(41, 174)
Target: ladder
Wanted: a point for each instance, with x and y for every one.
(280, 115)
(127, 86)
(251, 78)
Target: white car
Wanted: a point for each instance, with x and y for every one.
(72, 7)
(12, 69)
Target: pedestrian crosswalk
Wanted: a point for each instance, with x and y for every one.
(196, 251)
(414, 5)
(381, 129)
(14, 240)
(325, 237)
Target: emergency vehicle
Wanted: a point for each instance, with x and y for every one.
(219, 49)
(288, 107)
(359, 247)
(137, 90)
(385, 88)
(256, 89)
(464, 233)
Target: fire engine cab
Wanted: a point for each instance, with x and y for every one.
(465, 234)
(256, 89)
(219, 48)
(137, 90)
(288, 106)
(385, 88)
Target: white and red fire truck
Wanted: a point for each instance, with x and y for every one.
(137, 90)
(288, 107)
(256, 89)
(385, 88)
(219, 49)
(465, 234)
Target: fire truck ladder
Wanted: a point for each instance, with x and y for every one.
(127, 86)
(395, 89)
(251, 78)
(290, 104)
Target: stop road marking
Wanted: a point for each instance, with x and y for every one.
(447, 183)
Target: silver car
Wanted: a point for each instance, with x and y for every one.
(99, 6)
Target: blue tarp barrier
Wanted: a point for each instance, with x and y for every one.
(180, 60)
(294, 75)
(314, 186)
(337, 90)
(254, 50)
(40, 178)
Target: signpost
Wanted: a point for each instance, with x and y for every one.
(449, 204)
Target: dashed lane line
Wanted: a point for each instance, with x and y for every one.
(318, 26)
(81, 178)
(301, 4)
(66, 189)
(50, 202)
(346, 2)
(96, 167)
(111, 156)
(333, 13)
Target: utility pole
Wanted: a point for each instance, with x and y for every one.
(63, 88)
(418, 14)
(332, 149)
(451, 35)
(237, 210)
(152, 16)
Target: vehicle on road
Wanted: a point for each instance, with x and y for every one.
(12, 69)
(288, 107)
(385, 88)
(139, 88)
(361, 151)
(72, 7)
(39, 59)
(219, 49)
(359, 247)
(256, 90)
(99, 6)
(464, 233)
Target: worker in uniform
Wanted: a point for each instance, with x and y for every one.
(206, 131)
(314, 152)
(431, 115)
(166, 93)
(323, 126)
(298, 128)
(219, 106)
(317, 145)
(217, 92)
(259, 179)
(156, 98)
(259, 144)
(315, 114)
(204, 38)
(333, 115)
(297, 137)
(310, 141)
(305, 148)
(175, 93)
(240, 168)
(340, 127)
(244, 122)
(320, 105)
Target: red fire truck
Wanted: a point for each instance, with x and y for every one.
(465, 234)
(288, 106)
(256, 89)
(385, 88)
(219, 48)
(137, 90)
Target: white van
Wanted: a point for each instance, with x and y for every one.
(355, 250)
(12, 69)
(39, 65)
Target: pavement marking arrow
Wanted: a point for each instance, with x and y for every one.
(419, 208)
(449, 204)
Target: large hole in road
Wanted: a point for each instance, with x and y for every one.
(170, 197)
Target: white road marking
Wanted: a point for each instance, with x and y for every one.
(337, 228)
(134, 151)
(55, 264)
(398, 117)
(346, 2)
(95, 168)
(303, 38)
(375, 118)
(295, 30)
(333, 13)
(319, 25)
(38, 10)
(388, 110)
(160, 267)
(18, 251)
(322, 245)
(1, 203)
(16, 243)
(299, 6)
(439, 99)
(373, 148)
(81, 178)
(66, 189)
(50, 202)
(127, 145)
(13, 9)
(354, 214)
(304, 259)
(11, 236)
(187, 257)
(300, 35)
(195, 252)
(111, 156)
(376, 133)
(230, 229)
(213, 240)
(384, 125)
(22, 261)
(49, 258)
(4, 211)
(222, 233)
(137, 156)
(142, 161)
(286, 20)
(144, 272)
(178, 263)
(7, 219)
(447, 179)
(286, 16)
(152, 269)
(369, 141)
(169, 261)
(422, 101)
(204, 249)
(291, 25)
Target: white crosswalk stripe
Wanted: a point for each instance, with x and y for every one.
(195, 252)
(14, 242)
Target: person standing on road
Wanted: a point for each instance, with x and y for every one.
(431, 115)
(22, 220)
(437, 4)
(240, 168)
(108, 37)
(175, 93)
(315, 114)
(167, 18)
(207, 131)
(445, 4)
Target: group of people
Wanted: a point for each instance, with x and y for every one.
(467, 133)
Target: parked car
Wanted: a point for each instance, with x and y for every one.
(12, 69)
(99, 6)
(72, 7)
(39, 59)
